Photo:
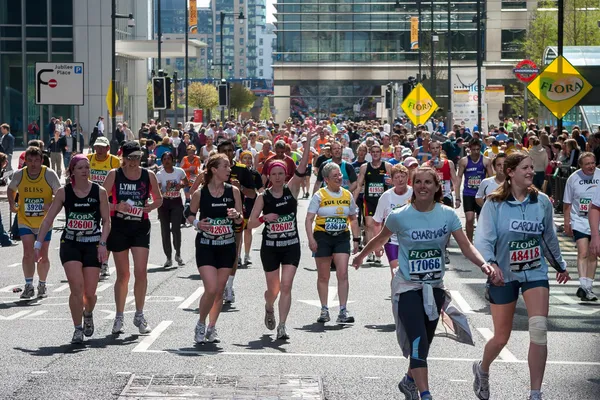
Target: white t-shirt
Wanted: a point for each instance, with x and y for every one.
(347, 154)
(388, 202)
(257, 146)
(231, 133)
(239, 151)
(204, 152)
(167, 182)
(488, 185)
(210, 133)
(580, 192)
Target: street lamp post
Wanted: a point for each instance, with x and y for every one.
(241, 18)
(449, 121)
(432, 44)
(186, 63)
(113, 105)
(479, 62)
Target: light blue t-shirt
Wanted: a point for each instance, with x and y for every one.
(422, 238)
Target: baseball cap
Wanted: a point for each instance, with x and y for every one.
(102, 141)
(131, 148)
(410, 161)
(406, 152)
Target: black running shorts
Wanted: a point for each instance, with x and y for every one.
(85, 253)
(470, 205)
(273, 257)
(328, 245)
(127, 234)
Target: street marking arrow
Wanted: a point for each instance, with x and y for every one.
(331, 302)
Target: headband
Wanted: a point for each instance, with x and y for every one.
(275, 164)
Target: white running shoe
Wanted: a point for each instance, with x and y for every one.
(118, 325)
(270, 319)
(229, 295)
(377, 260)
(200, 333)
(28, 291)
(247, 260)
(535, 396)
(282, 332)
(42, 291)
(140, 322)
(212, 336)
(104, 271)
(481, 382)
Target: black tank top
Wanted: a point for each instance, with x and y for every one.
(282, 232)
(83, 215)
(135, 192)
(375, 181)
(215, 209)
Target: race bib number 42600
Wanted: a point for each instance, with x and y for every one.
(525, 254)
(425, 264)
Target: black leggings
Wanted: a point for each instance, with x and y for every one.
(419, 329)
(169, 214)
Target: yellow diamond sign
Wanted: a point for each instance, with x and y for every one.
(559, 87)
(419, 105)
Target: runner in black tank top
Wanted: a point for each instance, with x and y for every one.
(220, 207)
(131, 188)
(280, 250)
(83, 242)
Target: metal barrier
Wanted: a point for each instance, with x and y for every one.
(557, 183)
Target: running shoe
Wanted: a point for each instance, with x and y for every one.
(118, 325)
(427, 397)
(104, 271)
(168, 263)
(179, 261)
(409, 389)
(282, 332)
(324, 317)
(42, 291)
(77, 336)
(377, 260)
(447, 256)
(247, 260)
(580, 293)
(589, 295)
(212, 336)
(200, 333)
(140, 322)
(370, 258)
(344, 317)
(28, 291)
(270, 319)
(481, 383)
(88, 324)
(229, 295)
(306, 195)
(536, 396)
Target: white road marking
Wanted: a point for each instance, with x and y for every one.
(461, 302)
(129, 299)
(35, 314)
(505, 354)
(458, 380)
(356, 356)
(8, 288)
(13, 265)
(103, 287)
(331, 301)
(148, 340)
(192, 299)
(16, 315)
(39, 372)
(163, 299)
(61, 288)
(572, 305)
(483, 281)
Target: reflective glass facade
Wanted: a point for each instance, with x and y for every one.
(368, 30)
(31, 31)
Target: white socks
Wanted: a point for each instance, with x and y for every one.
(230, 281)
(586, 283)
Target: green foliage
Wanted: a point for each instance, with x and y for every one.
(265, 112)
(149, 98)
(240, 98)
(202, 96)
(517, 102)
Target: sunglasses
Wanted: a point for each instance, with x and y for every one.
(134, 158)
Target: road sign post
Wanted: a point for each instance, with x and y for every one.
(526, 71)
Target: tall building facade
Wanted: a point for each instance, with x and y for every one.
(69, 31)
(333, 56)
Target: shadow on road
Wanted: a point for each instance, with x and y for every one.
(266, 341)
(317, 327)
(382, 328)
(69, 348)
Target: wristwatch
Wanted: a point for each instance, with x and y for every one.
(103, 244)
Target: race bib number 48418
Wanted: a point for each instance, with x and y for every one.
(525, 254)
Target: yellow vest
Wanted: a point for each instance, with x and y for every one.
(99, 169)
(34, 194)
(332, 216)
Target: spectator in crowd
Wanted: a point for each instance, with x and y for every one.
(8, 144)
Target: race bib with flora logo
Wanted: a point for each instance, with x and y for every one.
(172, 190)
(474, 182)
(33, 207)
(424, 265)
(283, 224)
(525, 254)
(220, 227)
(98, 176)
(336, 224)
(584, 206)
(81, 222)
(376, 189)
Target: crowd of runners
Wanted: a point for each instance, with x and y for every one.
(378, 189)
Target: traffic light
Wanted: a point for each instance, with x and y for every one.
(407, 87)
(168, 92)
(224, 95)
(159, 94)
(388, 97)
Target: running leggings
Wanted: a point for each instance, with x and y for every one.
(169, 214)
(419, 329)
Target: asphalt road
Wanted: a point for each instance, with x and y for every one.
(360, 361)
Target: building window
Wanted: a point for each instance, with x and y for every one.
(260, 52)
(260, 41)
(514, 5)
(241, 31)
(241, 72)
(512, 44)
(260, 72)
(260, 62)
(241, 41)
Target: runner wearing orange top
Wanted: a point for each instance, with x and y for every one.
(322, 140)
(261, 157)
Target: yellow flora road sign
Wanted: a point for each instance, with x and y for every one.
(109, 99)
(559, 87)
(419, 105)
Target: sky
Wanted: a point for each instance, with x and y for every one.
(270, 8)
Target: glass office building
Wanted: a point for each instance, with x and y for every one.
(333, 56)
